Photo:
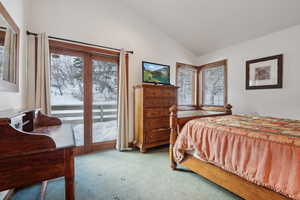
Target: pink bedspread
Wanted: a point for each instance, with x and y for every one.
(265, 151)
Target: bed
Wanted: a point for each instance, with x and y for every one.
(254, 157)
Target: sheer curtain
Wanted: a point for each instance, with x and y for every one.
(123, 111)
(38, 73)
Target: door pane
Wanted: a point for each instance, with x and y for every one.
(105, 93)
(67, 92)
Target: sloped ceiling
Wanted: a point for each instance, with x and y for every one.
(206, 25)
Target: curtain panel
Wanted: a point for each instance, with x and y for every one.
(123, 105)
(38, 73)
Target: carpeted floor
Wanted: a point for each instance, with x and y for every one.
(111, 175)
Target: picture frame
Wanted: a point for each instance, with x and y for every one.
(264, 73)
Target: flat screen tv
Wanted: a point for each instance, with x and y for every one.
(156, 73)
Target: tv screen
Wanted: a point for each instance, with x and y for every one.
(156, 73)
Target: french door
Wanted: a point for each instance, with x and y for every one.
(84, 92)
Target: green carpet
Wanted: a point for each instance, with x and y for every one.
(112, 175)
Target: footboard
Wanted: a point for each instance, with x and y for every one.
(179, 118)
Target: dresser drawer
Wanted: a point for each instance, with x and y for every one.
(158, 102)
(157, 123)
(158, 136)
(159, 92)
(156, 112)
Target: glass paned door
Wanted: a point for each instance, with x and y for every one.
(84, 92)
(67, 91)
(105, 97)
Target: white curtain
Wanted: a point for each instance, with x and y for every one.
(9, 69)
(123, 111)
(38, 73)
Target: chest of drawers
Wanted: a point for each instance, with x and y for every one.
(152, 103)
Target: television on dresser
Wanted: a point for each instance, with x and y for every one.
(156, 73)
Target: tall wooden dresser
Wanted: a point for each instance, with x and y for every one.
(152, 103)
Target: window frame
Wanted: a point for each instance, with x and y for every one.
(211, 65)
(198, 84)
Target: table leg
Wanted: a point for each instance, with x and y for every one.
(69, 174)
(43, 190)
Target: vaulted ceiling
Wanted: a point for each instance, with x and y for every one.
(206, 25)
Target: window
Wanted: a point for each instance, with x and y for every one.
(186, 81)
(213, 80)
(205, 85)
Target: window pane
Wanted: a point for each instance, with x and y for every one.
(213, 86)
(105, 93)
(67, 91)
(186, 83)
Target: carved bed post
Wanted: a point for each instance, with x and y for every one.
(173, 135)
(228, 108)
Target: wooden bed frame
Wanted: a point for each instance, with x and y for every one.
(227, 180)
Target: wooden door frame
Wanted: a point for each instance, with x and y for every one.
(88, 53)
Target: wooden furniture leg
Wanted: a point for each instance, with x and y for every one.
(43, 190)
(143, 150)
(69, 174)
(173, 135)
(9, 195)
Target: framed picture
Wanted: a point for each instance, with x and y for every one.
(264, 73)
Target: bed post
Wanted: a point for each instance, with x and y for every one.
(173, 135)
(228, 108)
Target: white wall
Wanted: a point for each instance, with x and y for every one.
(10, 100)
(15, 100)
(271, 102)
(109, 23)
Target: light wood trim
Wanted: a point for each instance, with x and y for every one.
(101, 146)
(54, 44)
(214, 64)
(66, 52)
(106, 59)
(173, 134)
(229, 181)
